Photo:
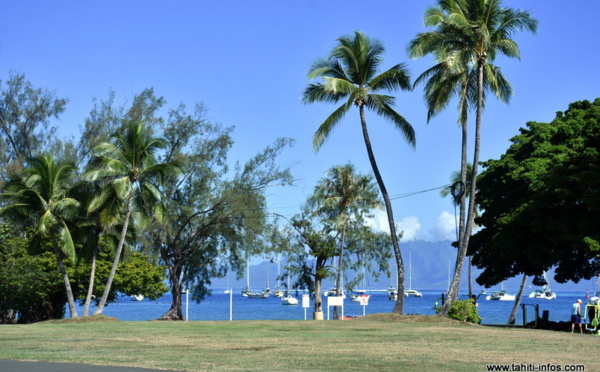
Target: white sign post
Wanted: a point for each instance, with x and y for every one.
(364, 301)
(305, 303)
(335, 301)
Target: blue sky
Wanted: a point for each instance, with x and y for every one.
(247, 61)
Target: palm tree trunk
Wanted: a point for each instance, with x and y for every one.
(88, 297)
(399, 307)
(470, 271)
(466, 234)
(113, 270)
(338, 281)
(513, 313)
(63, 271)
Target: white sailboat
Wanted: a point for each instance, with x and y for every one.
(501, 296)
(360, 293)
(288, 299)
(411, 292)
(545, 293)
(278, 292)
(246, 289)
(392, 291)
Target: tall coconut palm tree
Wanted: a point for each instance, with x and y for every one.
(341, 196)
(128, 171)
(349, 74)
(39, 197)
(95, 229)
(468, 35)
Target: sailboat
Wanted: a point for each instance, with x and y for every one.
(392, 291)
(411, 292)
(264, 294)
(288, 299)
(278, 292)
(246, 289)
(360, 293)
(544, 293)
(246, 292)
(501, 296)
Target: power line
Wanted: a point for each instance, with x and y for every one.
(418, 192)
(393, 197)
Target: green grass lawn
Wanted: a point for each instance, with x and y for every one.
(378, 342)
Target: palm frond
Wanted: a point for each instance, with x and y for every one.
(393, 79)
(66, 242)
(319, 93)
(327, 126)
(382, 105)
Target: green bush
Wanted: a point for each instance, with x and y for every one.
(465, 311)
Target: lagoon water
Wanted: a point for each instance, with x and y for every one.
(217, 307)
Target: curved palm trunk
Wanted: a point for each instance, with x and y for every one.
(338, 281)
(88, 297)
(513, 313)
(63, 271)
(113, 269)
(466, 233)
(399, 307)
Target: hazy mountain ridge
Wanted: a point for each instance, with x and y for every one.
(432, 268)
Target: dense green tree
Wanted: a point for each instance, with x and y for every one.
(25, 114)
(471, 33)
(214, 216)
(541, 201)
(38, 197)
(31, 287)
(350, 75)
(128, 170)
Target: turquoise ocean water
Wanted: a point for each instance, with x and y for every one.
(222, 307)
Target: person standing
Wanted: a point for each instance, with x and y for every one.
(576, 316)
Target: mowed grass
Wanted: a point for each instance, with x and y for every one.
(378, 342)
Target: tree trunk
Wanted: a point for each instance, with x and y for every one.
(466, 234)
(470, 279)
(63, 271)
(318, 298)
(399, 307)
(513, 313)
(88, 297)
(174, 313)
(338, 281)
(113, 269)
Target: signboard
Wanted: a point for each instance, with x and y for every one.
(335, 300)
(305, 300)
(364, 300)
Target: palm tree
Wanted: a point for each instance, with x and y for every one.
(350, 75)
(129, 171)
(95, 229)
(468, 36)
(40, 198)
(459, 195)
(341, 196)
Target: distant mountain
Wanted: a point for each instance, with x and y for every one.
(432, 266)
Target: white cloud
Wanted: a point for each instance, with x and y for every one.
(445, 227)
(410, 226)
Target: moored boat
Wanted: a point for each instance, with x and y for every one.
(500, 296)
